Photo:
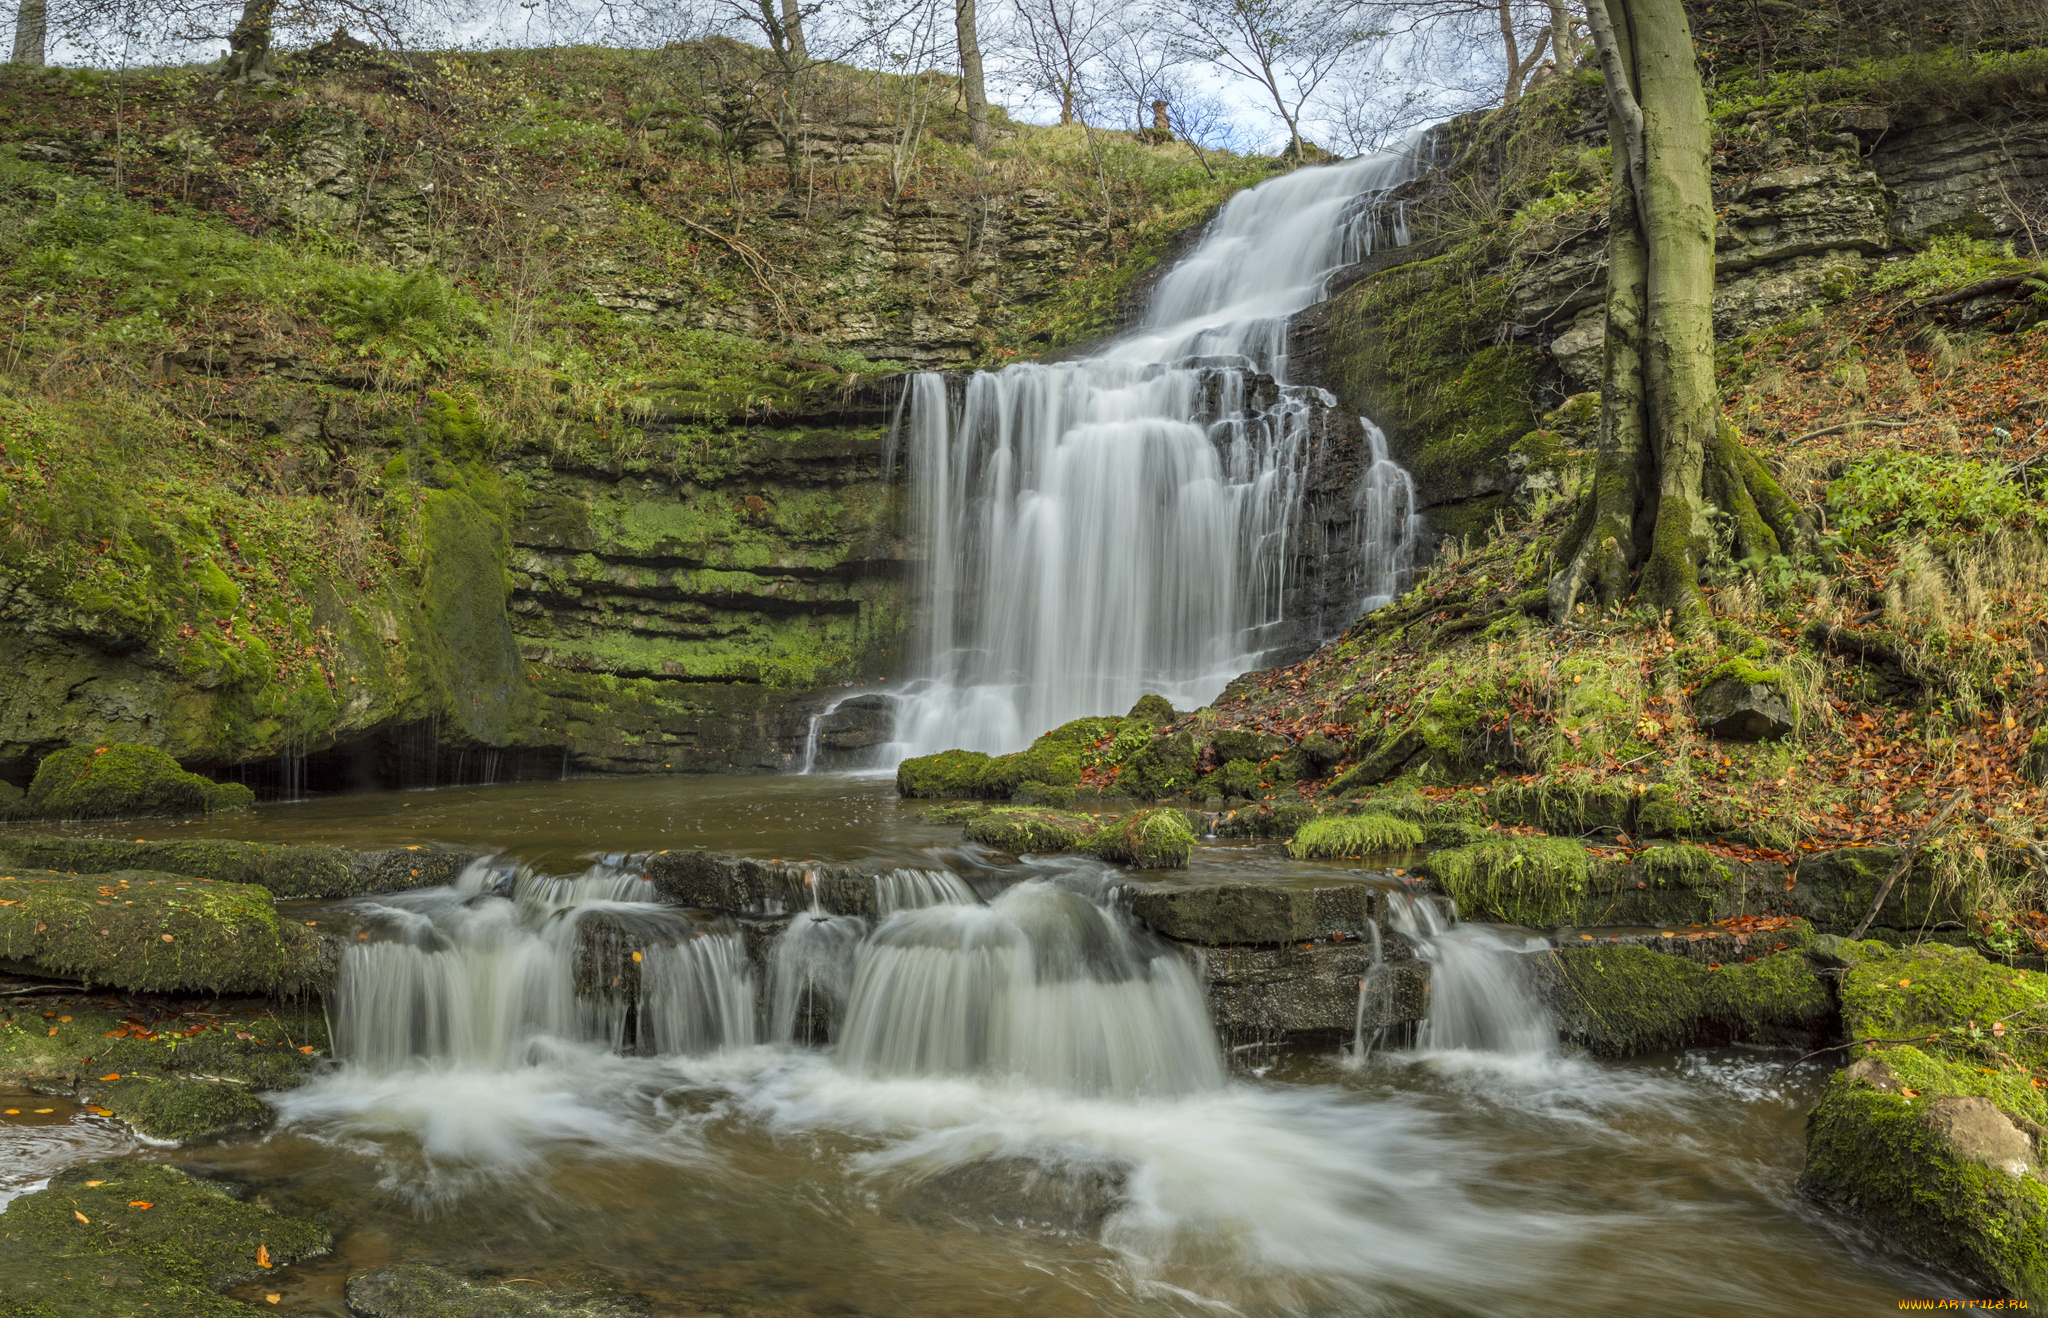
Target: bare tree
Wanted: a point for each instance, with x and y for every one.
(1289, 48)
(1059, 43)
(31, 32)
(972, 86)
(1505, 25)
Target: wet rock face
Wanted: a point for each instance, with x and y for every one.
(1018, 1190)
(1737, 710)
(1308, 994)
(736, 885)
(1219, 915)
(1978, 1131)
(285, 871)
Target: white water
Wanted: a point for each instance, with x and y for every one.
(1479, 1000)
(1097, 530)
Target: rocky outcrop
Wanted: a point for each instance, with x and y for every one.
(285, 871)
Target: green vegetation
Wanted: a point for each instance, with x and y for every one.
(1021, 832)
(1354, 835)
(1146, 839)
(113, 1238)
(1625, 1000)
(103, 782)
(1532, 881)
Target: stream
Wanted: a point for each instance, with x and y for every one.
(1026, 1111)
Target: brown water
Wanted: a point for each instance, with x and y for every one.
(772, 1180)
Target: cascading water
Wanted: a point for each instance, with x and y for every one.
(1479, 1000)
(1100, 529)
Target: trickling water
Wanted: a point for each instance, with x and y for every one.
(1479, 1000)
(1100, 529)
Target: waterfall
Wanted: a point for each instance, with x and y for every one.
(1101, 529)
(1043, 985)
(1479, 998)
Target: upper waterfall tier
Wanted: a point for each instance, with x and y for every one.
(1167, 514)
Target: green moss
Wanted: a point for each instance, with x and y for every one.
(185, 1110)
(103, 782)
(1744, 670)
(156, 932)
(1020, 832)
(1237, 778)
(1532, 881)
(1046, 761)
(1873, 1154)
(1146, 840)
(98, 1041)
(1165, 767)
(1950, 994)
(1152, 711)
(948, 773)
(1564, 805)
(1623, 1000)
(83, 1248)
(1354, 835)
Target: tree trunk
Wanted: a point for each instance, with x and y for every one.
(970, 73)
(1564, 47)
(793, 30)
(249, 43)
(31, 32)
(1665, 457)
(1507, 36)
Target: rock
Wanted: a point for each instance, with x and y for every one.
(123, 780)
(1931, 991)
(419, 1290)
(1354, 835)
(285, 871)
(1581, 351)
(1227, 914)
(1165, 767)
(1835, 889)
(1308, 995)
(1532, 881)
(1152, 712)
(1978, 1131)
(948, 773)
(1010, 1191)
(1737, 708)
(182, 1110)
(121, 1238)
(1872, 1071)
(1146, 839)
(739, 885)
(848, 733)
(1622, 1000)
(1024, 832)
(158, 933)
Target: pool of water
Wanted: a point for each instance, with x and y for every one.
(770, 1179)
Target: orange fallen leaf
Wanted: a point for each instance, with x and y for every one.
(115, 1076)
(81, 1217)
(140, 1203)
(53, 1031)
(95, 1183)
(167, 938)
(101, 1111)
(1905, 983)
(263, 1256)
(272, 1299)
(307, 1049)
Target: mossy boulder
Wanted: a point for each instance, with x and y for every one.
(1024, 831)
(1532, 881)
(1740, 701)
(1555, 805)
(160, 933)
(1045, 763)
(1620, 1000)
(1236, 780)
(1461, 733)
(122, 780)
(948, 773)
(1259, 914)
(115, 1239)
(1166, 767)
(1672, 883)
(182, 1110)
(1160, 839)
(1152, 712)
(1354, 836)
(1950, 994)
(1277, 818)
(1835, 889)
(1911, 1163)
(107, 1048)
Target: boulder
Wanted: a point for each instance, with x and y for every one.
(123, 780)
(1650, 994)
(1835, 889)
(1145, 839)
(1023, 832)
(1975, 1129)
(1743, 707)
(739, 885)
(1309, 995)
(285, 870)
(158, 933)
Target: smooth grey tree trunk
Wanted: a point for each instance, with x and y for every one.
(972, 84)
(31, 32)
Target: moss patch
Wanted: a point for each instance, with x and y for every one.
(108, 1238)
(1952, 995)
(1147, 840)
(1533, 881)
(1623, 1000)
(104, 782)
(1021, 831)
(1354, 835)
(154, 932)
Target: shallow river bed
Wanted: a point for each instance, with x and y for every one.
(771, 1179)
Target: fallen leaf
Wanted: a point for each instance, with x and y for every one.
(307, 1049)
(272, 1299)
(140, 1203)
(167, 938)
(90, 1183)
(81, 1217)
(1905, 983)
(101, 1111)
(263, 1256)
(53, 1031)
(115, 1076)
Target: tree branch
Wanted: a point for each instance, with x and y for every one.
(1905, 863)
(1620, 97)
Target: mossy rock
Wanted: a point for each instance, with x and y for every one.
(1045, 763)
(1281, 819)
(1740, 701)
(1624, 1000)
(1334, 836)
(1159, 839)
(1460, 734)
(1164, 768)
(84, 1037)
(1248, 745)
(115, 1239)
(948, 773)
(159, 933)
(1668, 884)
(123, 780)
(1022, 831)
(1532, 881)
(1152, 712)
(1892, 1161)
(286, 871)
(1236, 780)
(182, 1110)
(1950, 994)
(1564, 806)
(1835, 889)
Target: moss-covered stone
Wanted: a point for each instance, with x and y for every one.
(115, 1239)
(1236, 780)
(122, 780)
(1021, 831)
(1569, 805)
(181, 1110)
(1166, 767)
(1949, 994)
(1886, 1157)
(948, 773)
(1354, 835)
(1623, 1000)
(1533, 881)
(1278, 818)
(152, 932)
(1259, 914)
(1835, 889)
(1146, 839)
(286, 871)
(1152, 712)
(103, 1048)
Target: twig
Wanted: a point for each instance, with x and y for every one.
(1851, 425)
(1906, 862)
(1983, 287)
(1858, 1043)
(757, 265)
